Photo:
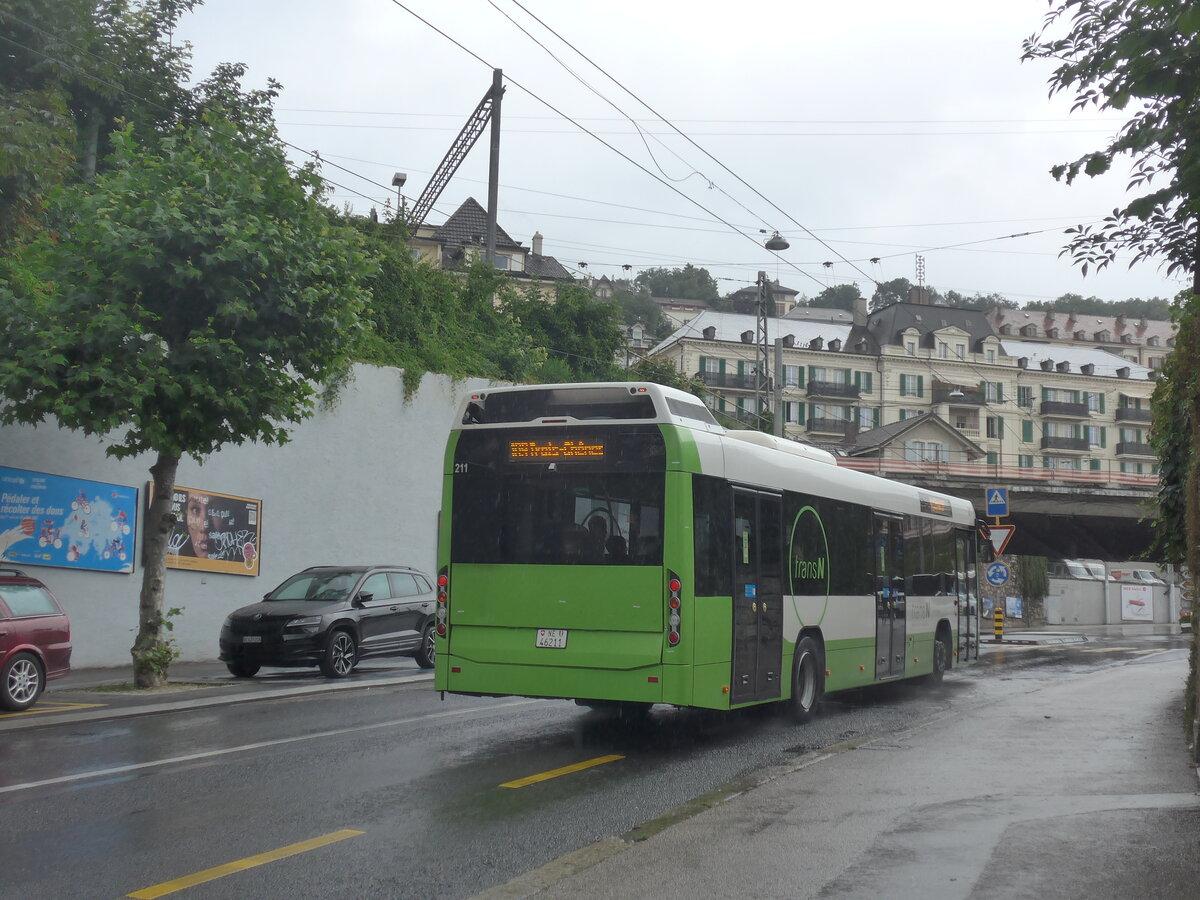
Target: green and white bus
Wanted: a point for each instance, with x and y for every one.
(612, 543)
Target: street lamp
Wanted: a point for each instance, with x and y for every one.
(776, 242)
(398, 180)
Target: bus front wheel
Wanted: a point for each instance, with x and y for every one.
(808, 680)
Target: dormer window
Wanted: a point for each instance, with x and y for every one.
(1153, 340)
(1006, 329)
(1127, 339)
(1029, 331)
(1103, 336)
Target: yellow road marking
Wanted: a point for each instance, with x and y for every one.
(565, 770)
(43, 708)
(187, 881)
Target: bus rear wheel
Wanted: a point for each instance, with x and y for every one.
(941, 656)
(808, 680)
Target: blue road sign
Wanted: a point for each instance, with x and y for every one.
(996, 500)
(997, 574)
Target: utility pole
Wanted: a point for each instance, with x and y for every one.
(763, 383)
(497, 93)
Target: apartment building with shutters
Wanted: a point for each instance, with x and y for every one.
(915, 387)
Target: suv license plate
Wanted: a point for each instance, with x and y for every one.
(552, 637)
(252, 639)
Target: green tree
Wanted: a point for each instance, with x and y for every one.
(637, 305)
(421, 319)
(687, 283)
(838, 296)
(581, 334)
(196, 294)
(1121, 55)
(660, 371)
(68, 71)
(978, 301)
(889, 292)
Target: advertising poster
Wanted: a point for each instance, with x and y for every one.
(214, 532)
(1137, 603)
(70, 523)
(1014, 607)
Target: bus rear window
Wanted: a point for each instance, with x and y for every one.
(557, 518)
(576, 403)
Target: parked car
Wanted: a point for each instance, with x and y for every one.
(35, 639)
(1135, 576)
(332, 617)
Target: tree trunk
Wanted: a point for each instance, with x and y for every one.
(149, 667)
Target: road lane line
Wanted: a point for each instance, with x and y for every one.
(258, 745)
(565, 770)
(50, 706)
(241, 865)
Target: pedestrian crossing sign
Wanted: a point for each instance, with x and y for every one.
(996, 501)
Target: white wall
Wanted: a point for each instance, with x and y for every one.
(359, 483)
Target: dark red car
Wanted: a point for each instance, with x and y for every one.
(35, 639)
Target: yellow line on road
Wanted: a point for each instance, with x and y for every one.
(187, 881)
(565, 770)
(45, 708)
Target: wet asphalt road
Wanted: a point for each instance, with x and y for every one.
(103, 809)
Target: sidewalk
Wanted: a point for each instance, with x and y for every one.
(81, 695)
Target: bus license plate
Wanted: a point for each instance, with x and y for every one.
(552, 637)
(252, 639)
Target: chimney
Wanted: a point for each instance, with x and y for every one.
(710, 333)
(860, 311)
(919, 295)
(537, 243)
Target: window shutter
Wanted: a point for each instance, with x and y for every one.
(1095, 465)
(810, 373)
(903, 412)
(1102, 401)
(1027, 430)
(741, 367)
(800, 407)
(999, 391)
(869, 381)
(875, 416)
(858, 380)
(1000, 427)
(1077, 431)
(799, 376)
(991, 458)
(721, 366)
(704, 364)
(846, 376)
(920, 385)
(1045, 394)
(903, 385)
(1103, 436)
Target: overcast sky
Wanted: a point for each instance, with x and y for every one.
(885, 129)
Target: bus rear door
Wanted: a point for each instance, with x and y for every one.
(891, 601)
(757, 596)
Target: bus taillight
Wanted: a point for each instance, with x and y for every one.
(443, 591)
(673, 602)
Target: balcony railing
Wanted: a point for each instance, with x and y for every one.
(832, 389)
(1078, 445)
(827, 426)
(1132, 448)
(1108, 474)
(1061, 410)
(960, 397)
(1129, 414)
(729, 380)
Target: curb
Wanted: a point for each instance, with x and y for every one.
(42, 720)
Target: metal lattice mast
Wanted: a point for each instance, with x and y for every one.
(762, 389)
(456, 154)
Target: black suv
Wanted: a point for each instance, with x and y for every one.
(333, 616)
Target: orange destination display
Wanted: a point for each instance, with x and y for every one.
(555, 450)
